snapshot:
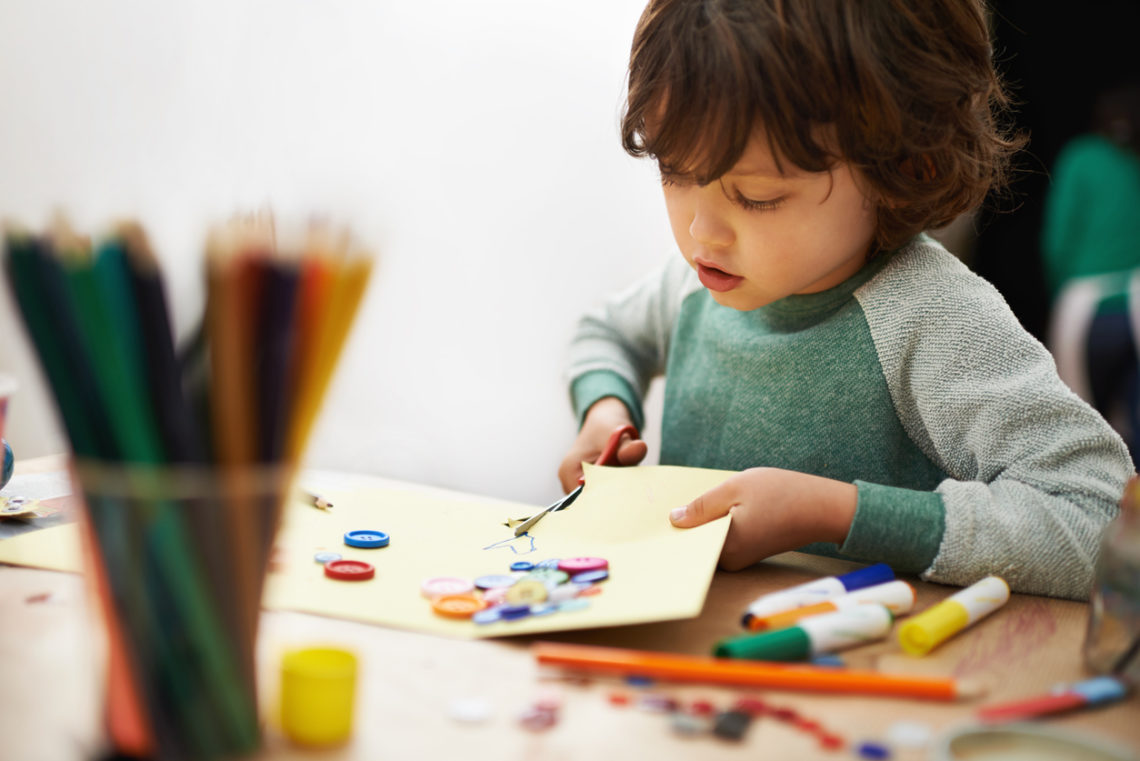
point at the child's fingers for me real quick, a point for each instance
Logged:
(711, 505)
(569, 473)
(632, 452)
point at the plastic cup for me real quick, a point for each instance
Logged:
(318, 687)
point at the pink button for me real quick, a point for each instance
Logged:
(580, 565)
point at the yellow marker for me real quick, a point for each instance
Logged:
(928, 629)
(317, 689)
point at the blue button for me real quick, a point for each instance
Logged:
(495, 580)
(486, 616)
(522, 565)
(590, 577)
(544, 609)
(511, 612)
(366, 539)
(548, 563)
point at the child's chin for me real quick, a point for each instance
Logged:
(741, 302)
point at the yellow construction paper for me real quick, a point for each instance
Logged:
(657, 572)
(58, 548)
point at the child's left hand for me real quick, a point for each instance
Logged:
(773, 511)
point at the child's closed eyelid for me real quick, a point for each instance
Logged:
(757, 204)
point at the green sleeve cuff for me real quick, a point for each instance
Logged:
(901, 527)
(598, 384)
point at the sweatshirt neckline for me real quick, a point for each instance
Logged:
(803, 307)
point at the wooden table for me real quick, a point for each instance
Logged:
(51, 656)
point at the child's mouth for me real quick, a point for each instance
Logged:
(716, 279)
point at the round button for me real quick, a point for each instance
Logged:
(590, 577)
(548, 563)
(511, 612)
(526, 592)
(549, 576)
(522, 565)
(493, 580)
(581, 565)
(543, 609)
(457, 606)
(439, 586)
(349, 570)
(486, 616)
(326, 557)
(366, 539)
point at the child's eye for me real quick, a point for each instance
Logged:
(752, 204)
(670, 178)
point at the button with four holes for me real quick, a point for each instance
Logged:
(366, 539)
(349, 570)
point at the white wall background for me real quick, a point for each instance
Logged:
(474, 145)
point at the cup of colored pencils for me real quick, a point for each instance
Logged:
(185, 455)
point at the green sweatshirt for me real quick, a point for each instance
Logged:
(1091, 222)
(912, 380)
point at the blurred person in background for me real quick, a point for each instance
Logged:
(1090, 241)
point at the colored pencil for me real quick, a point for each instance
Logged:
(690, 668)
(180, 576)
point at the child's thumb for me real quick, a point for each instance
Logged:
(707, 507)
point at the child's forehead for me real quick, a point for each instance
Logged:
(758, 160)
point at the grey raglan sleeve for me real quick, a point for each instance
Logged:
(1034, 472)
(622, 344)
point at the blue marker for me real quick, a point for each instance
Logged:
(817, 591)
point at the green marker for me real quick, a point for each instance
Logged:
(816, 635)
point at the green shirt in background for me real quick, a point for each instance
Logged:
(1092, 213)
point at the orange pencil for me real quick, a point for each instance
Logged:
(695, 668)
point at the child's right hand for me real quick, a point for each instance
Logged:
(602, 418)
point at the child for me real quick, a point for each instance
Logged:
(881, 401)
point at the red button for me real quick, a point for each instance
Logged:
(349, 570)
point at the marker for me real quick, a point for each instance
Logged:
(1101, 689)
(817, 591)
(774, 676)
(898, 596)
(827, 633)
(930, 628)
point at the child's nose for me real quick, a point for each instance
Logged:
(710, 226)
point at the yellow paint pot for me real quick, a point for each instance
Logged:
(318, 686)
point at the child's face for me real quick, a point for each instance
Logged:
(755, 236)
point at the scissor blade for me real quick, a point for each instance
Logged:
(558, 504)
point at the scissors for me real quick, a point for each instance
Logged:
(607, 457)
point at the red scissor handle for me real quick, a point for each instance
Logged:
(609, 453)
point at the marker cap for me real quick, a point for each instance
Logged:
(791, 644)
(928, 629)
(879, 573)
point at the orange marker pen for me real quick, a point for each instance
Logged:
(897, 596)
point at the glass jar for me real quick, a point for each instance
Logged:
(1112, 645)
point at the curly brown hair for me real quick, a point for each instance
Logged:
(905, 92)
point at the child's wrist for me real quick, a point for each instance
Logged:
(842, 503)
(609, 411)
